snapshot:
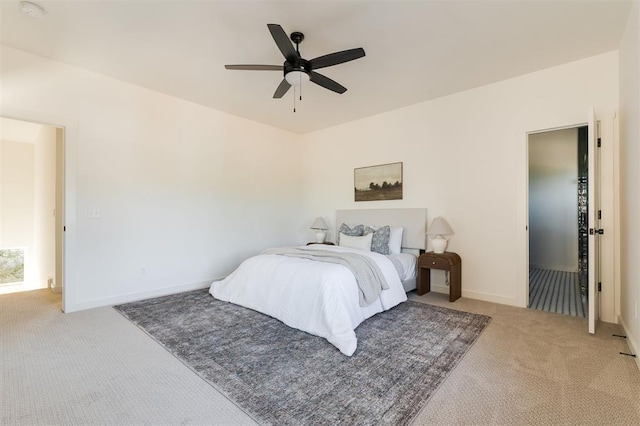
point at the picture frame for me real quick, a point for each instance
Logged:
(378, 183)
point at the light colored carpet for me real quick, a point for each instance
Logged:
(95, 367)
(537, 368)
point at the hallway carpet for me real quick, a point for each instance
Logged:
(556, 291)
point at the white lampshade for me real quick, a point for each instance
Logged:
(319, 223)
(320, 226)
(439, 226)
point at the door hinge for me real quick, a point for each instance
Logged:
(599, 286)
(64, 228)
(599, 142)
(599, 214)
(596, 231)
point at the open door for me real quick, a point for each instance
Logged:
(594, 224)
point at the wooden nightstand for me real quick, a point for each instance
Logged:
(326, 243)
(446, 261)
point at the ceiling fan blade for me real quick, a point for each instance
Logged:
(336, 58)
(327, 83)
(255, 67)
(282, 89)
(282, 41)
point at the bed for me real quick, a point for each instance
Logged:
(324, 298)
(413, 221)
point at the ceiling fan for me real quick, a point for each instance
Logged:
(297, 69)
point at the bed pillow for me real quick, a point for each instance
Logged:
(356, 231)
(395, 240)
(380, 239)
(360, 243)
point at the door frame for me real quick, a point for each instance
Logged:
(526, 195)
(609, 201)
(69, 136)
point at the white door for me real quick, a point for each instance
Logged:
(594, 224)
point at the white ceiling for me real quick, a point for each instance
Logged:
(415, 50)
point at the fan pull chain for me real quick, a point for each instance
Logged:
(300, 76)
(294, 98)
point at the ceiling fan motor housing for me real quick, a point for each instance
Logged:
(298, 64)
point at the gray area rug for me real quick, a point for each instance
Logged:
(279, 375)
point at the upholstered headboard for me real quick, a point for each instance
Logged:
(414, 222)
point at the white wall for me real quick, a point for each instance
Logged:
(465, 158)
(188, 192)
(630, 178)
(184, 191)
(17, 181)
(553, 200)
(44, 192)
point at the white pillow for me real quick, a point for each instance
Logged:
(360, 243)
(395, 240)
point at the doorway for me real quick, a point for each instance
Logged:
(31, 206)
(558, 221)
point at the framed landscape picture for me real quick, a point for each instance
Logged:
(381, 182)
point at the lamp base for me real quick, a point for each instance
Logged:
(438, 244)
(320, 235)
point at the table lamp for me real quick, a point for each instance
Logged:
(320, 226)
(438, 229)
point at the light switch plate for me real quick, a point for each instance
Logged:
(93, 213)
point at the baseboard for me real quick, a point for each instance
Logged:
(132, 297)
(633, 345)
(486, 297)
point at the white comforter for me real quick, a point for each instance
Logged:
(316, 297)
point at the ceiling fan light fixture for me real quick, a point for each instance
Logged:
(295, 78)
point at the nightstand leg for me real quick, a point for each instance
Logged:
(455, 287)
(424, 281)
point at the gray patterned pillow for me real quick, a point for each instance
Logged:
(356, 231)
(380, 241)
